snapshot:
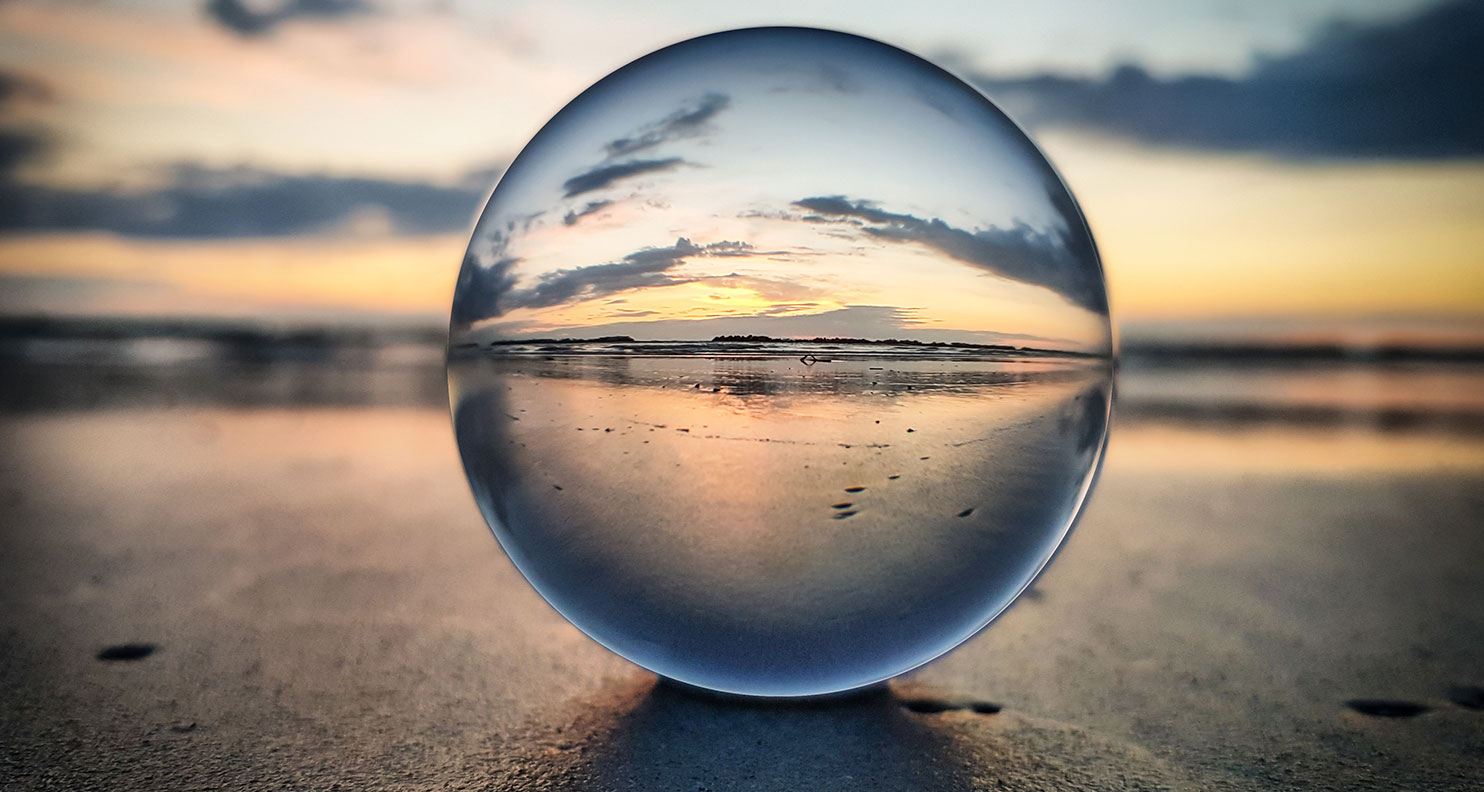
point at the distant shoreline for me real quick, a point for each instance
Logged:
(245, 336)
(733, 341)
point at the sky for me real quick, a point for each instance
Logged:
(1240, 164)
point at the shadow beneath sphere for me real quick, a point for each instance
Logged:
(659, 735)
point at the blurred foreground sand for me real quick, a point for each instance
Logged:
(329, 609)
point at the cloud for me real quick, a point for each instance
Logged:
(16, 87)
(17, 147)
(191, 201)
(196, 202)
(485, 292)
(1061, 260)
(479, 290)
(238, 17)
(683, 123)
(573, 216)
(20, 144)
(1406, 89)
(604, 175)
(641, 269)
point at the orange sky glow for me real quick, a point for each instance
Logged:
(1184, 234)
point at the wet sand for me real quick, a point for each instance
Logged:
(218, 594)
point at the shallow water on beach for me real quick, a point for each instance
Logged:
(779, 523)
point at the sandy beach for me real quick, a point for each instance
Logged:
(314, 602)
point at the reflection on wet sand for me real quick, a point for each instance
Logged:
(815, 527)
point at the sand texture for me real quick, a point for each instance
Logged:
(296, 591)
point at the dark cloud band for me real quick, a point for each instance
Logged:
(236, 16)
(640, 269)
(1408, 89)
(197, 202)
(683, 123)
(604, 175)
(1061, 260)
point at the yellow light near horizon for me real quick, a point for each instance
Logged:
(1193, 235)
(1183, 235)
(375, 275)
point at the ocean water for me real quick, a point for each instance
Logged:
(774, 519)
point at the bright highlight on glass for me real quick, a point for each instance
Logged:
(780, 361)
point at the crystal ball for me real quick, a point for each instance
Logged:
(780, 361)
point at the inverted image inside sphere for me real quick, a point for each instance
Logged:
(780, 361)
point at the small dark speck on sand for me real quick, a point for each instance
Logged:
(183, 729)
(842, 505)
(683, 430)
(930, 706)
(557, 487)
(924, 458)
(1467, 696)
(911, 430)
(894, 478)
(607, 430)
(848, 513)
(128, 651)
(855, 489)
(1384, 708)
(966, 512)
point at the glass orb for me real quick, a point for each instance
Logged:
(780, 361)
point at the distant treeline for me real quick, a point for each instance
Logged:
(227, 332)
(762, 339)
(1216, 352)
(598, 340)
